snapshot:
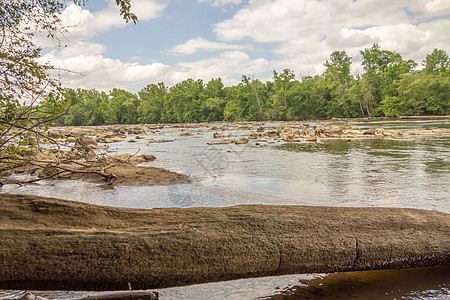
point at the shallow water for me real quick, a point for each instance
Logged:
(363, 172)
(334, 172)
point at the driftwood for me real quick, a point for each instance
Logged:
(131, 295)
(55, 244)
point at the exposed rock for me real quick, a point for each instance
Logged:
(135, 130)
(272, 134)
(46, 155)
(333, 132)
(292, 140)
(84, 246)
(132, 141)
(369, 132)
(187, 134)
(135, 159)
(218, 135)
(138, 137)
(260, 129)
(84, 146)
(318, 131)
(86, 142)
(113, 138)
(241, 141)
(165, 141)
(311, 139)
(119, 130)
(221, 142)
(151, 140)
(255, 136)
(55, 134)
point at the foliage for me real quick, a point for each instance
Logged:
(388, 87)
(437, 62)
(30, 98)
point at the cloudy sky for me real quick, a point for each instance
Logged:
(203, 39)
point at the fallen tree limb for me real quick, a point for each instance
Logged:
(55, 244)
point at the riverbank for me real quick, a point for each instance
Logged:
(56, 244)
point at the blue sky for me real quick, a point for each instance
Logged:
(203, 39)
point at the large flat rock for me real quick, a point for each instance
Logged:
(55, 244)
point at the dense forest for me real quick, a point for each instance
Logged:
(388, 86)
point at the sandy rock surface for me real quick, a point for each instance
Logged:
(56, 244)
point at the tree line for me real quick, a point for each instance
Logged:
(389, 86)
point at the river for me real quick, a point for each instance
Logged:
(412, 172)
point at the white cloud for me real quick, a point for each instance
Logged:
(221, 2)
(226, 66)
(88, 68)
(147, 9)
(199, 43)
(282, 20)
(81, 24)
(437, 7)
(306, 32)
(295, 34)
(86, 65)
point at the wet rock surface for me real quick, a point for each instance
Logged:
(55, 244)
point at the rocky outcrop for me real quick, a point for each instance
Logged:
(49, 243)
(242, 141)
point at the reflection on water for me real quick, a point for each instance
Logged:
(364, 172)
(381, 172)
(423, 284)
(426, 283)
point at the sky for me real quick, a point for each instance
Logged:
(203, 39)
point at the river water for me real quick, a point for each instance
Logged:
(368, 172)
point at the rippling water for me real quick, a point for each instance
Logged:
(334, 172)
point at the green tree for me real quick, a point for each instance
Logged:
(152, 109)
(232, 112)
(252, 87)
(423, 94)
(188, 101)
(84, 108)
(338, 80)
(215, 100)
(309, 98)
(382, 69)
(123, 107)
(436, 62)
